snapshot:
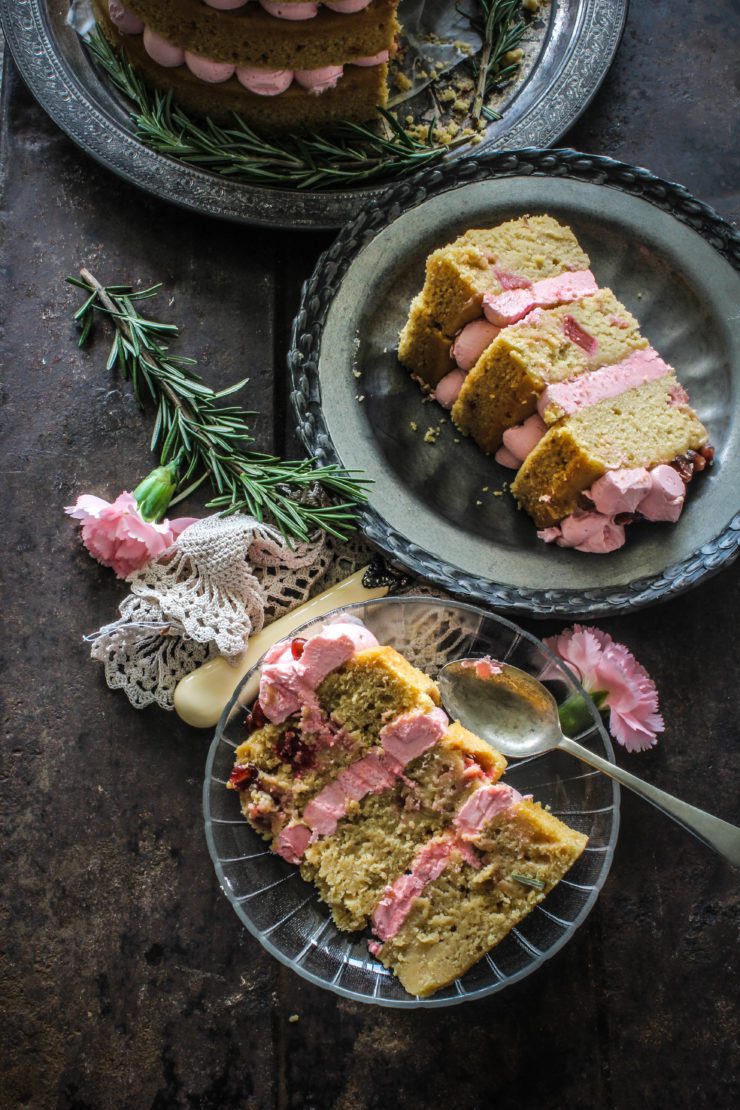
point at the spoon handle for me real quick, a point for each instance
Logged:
(717, 834)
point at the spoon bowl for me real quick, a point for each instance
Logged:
(516, 714)
(502, 704)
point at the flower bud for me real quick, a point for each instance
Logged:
(154, 494)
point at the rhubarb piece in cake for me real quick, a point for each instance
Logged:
(547, 346)
(638, 430)
(469, 886)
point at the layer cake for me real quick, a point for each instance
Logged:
(550, 372)
(280, 65)
(354, 772)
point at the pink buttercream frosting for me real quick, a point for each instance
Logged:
(485, 667)
(483, 805)
(664, 500)
(511, 306)
(621, 491)
(585, 531)
(447, 390)
(395, 905)
(565, 398)
(578, 335)
(264, 82)
(373, 59)
(403, 740)
(292, 842)
(520, 440)
(164, 53)
(206, 70)
(471, 342)
(317, 81)
(287, 684)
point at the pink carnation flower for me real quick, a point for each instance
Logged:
(631, 696)
(116, 535)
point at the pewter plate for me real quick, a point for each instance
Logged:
(575, 47)
(673, 262)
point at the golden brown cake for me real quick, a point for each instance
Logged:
(483, 260)
(281, 64)
(641, 429)
(353, 772)
(547, 346)
(512, 334)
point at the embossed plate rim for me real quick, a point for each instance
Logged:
(317, 296)
(85, 111)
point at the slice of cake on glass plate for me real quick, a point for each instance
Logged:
(354, 772)
(280, 64)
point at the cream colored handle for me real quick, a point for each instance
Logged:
(201, 696)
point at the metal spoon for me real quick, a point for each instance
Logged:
(516, 714)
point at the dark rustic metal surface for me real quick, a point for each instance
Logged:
(126, 979)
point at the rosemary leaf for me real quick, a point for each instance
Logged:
(527, 880)
(211, 441)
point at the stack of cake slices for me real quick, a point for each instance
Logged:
(353, 771)
(549, 372)
(281, 64)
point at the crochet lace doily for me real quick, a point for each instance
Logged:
(223, 579)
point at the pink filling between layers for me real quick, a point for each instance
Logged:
(288, 684)
(296, 11)
(599, 385)
(403, 740)
(520, 302)
(398, 899)
(508, 308)
(261, 82)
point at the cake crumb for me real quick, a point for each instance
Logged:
(293, 1019)
(359, 397)
(456, 440)
(357, 373)
(498, 493)
(413, 425)
(479, 502)
(431, 435)
(402, 82)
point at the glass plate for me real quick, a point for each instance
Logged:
(285, 913)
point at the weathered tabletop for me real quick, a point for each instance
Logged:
(127, 980)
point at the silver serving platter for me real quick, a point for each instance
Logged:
(576, 45)
(672, 260)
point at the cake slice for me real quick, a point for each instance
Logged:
(546, 346)
(627, 437)
(514, 255)
(376, 837)
(322, 707)
(470, 886)
(354, 772)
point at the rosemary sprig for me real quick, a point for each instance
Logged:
(211, 440)
(501, 26)
(350, 155)
(528, 880)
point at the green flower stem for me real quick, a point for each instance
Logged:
(575, 712)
